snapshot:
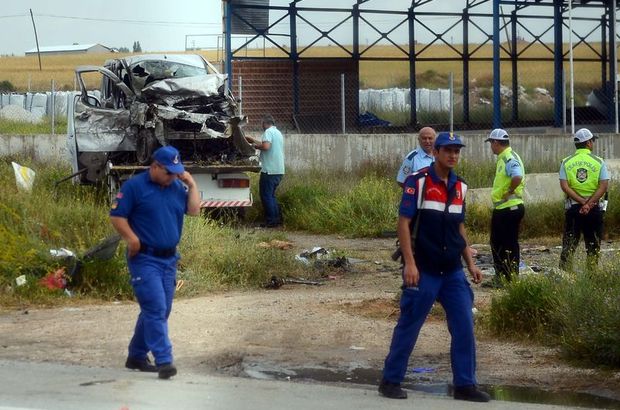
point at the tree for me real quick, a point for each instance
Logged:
(123, 50)
(136, 47)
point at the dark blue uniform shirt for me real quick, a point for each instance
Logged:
(439, 243)
(154, 213)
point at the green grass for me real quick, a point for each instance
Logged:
(524, 309)
(366, 204)
(76, 218)
(578, 312)
(361, 205)
(24, 128)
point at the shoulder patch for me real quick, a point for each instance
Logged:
(412, 155)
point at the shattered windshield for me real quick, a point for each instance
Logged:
(148, 71)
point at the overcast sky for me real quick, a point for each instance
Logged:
(158, 25)
(162, 25)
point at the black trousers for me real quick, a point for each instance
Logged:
(505, 240)
(591, 225)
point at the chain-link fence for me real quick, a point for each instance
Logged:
(324, 97)
(434, 65)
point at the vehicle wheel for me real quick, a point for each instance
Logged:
(145, 146)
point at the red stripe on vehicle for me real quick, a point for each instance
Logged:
(224, 204)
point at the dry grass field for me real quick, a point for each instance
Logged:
(24, 74)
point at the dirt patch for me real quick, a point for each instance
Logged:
(345, 324)
(373, 308)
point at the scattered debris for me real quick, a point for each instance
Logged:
(24, 177)
(54, 280)
(20, 280)
(316, 252)
(277, 282)
(103, 250)
(423, 370)
(536, 249)
(319, 258)
(62, 253)
(338, 263)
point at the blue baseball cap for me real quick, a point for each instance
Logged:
(170, 158)
(448, 138)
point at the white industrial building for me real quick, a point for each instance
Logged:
(72, 49)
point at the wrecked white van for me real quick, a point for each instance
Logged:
(147, 101)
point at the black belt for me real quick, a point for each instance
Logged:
(158, 252)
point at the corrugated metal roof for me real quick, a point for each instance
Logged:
(73, 47)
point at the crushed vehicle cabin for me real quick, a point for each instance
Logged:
(148, 101)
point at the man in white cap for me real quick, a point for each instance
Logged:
(508, 209)
(584, 179)
(420, 157)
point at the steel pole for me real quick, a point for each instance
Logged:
(572, 70)
(615, 63)
(451, 102)
(342, 104)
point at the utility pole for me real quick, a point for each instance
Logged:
(36, 39)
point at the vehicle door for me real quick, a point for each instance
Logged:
(101, 118)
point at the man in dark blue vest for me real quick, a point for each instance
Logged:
(432, 211)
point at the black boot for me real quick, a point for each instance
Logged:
(143, 365)
(166, 371)
(392, 390)
(471, 393)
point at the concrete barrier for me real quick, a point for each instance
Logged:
(351, 152)
(538, 188)
(43, 147)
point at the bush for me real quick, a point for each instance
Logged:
(6, 87)
(337, 204)
(525, 308)
(76, 217)
(588, 312)
(578, 312)
(219, 257)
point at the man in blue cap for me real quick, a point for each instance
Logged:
(432, 237)
(148, 214)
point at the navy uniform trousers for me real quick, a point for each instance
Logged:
(455, 295)
(154, 282)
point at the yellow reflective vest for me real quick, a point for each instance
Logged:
(583, 170)
(501, 183)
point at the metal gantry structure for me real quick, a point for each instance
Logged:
(536, 18)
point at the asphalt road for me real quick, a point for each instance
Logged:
(25, 385)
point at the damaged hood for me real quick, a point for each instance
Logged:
(172, 91)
